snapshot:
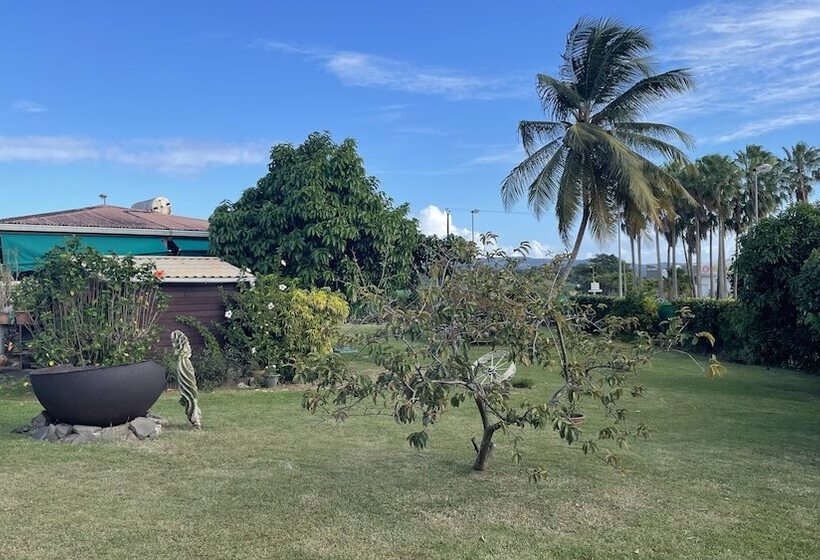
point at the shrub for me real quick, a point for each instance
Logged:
(274, 324)
(643, 306)
(88, 308)
(210, 364)
(715, 316)
(770, 326)
(806, 289)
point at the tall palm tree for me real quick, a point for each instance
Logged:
(801, 168)
(771, 194)
(594, 153)
(721, 181)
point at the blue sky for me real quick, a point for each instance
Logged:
(184, 99)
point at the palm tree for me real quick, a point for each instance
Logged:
(592, 157)
(721, 181)
(771, 193)
(801, 168)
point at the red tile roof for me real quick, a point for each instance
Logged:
(106, 216)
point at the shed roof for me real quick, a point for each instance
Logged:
(110, 217)
(196, 270)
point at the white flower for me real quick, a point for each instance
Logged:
(283, 263)
(270, 305)
(228, 314)
(253, 350)
(282, 287)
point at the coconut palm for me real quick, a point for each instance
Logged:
(721, 182)
(593, 154)
(801, 168)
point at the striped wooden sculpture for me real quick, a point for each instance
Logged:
(186, 378)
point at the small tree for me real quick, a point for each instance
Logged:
(319, 211)
(428, 353)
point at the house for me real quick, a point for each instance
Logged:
(195, 286)
(109, 229)
(149, 232)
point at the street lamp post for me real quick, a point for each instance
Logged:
(473, 212)
(762, 168)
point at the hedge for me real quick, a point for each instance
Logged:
(714, 316)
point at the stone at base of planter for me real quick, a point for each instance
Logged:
(41, 429)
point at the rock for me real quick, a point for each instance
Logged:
(22, 429)
(62, 430)
(84, 437)
(241, 385)
(81, 429)
(114, 433)
(161, 420)
(41, 420)
(144, 427)
(69, 438)
(41, 433)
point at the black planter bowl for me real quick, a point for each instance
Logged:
(96, 395)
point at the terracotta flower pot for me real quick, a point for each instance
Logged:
(576, 418)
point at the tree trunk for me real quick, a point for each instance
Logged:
(485, 448)
(640, 261)
(711, 264)
(734, 275)
(721, 288)
(658, 256)
(697, 250)
(674, 264)
(579, 238)
(634, 275)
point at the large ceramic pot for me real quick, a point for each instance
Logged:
(98, 396)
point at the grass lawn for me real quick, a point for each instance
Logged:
(732, 472)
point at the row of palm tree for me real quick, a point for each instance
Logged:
(595, 160)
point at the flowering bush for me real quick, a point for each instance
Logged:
(89, 308)
(274, 325)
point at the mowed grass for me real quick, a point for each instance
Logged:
(732, 472)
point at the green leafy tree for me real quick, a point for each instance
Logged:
(801, 168)
(428, 355)
(317, 216)
(606, 273)
(772, 287)
(593, 157)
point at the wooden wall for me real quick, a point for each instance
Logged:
(203, 301)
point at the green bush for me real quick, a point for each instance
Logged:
(643, 306)
(806, 289)
(775, 295)
(212, 368)
(274, 325)
(88, 308)
(715, 316)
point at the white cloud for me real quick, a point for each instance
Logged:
(169, 155)
(433, 221)
(503, 154)
(27, 106)
(368, 70)
(754, 63)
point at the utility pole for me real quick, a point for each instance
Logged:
(447, 212)
(103, 197)
(473, 212)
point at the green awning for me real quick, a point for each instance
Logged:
(192, 247)
(21, 251)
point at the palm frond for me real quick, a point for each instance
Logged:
(643, 95)
(534, 133)
(522, 175)
(557, 98)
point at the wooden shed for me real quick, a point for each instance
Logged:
(194, 286)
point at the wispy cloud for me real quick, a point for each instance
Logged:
(756, 64)
(26, 106)
(369, 70)
(167, 155)
(501, 155)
